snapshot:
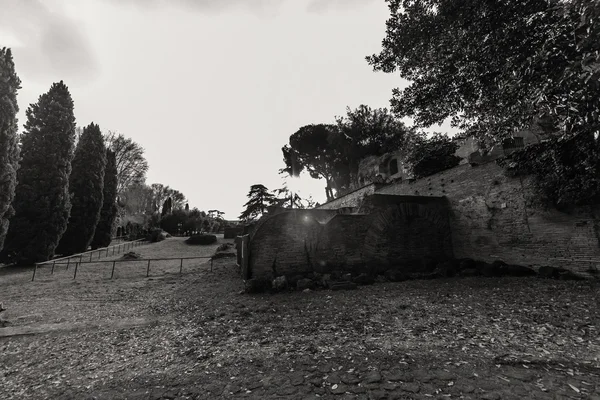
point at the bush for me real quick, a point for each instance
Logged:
(157, 235)
(201, 239)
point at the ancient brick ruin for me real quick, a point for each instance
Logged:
(473, 211)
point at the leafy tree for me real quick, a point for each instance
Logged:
(136, 205)
(86, 184)
(108, 213)
(260, 199)
(428, 156)
(9, 149)
(495, 66)
(131, 163)
(310, 149)
(167, 207)
(369, 132)
(566, 170)
(333, 152)
(42, 203)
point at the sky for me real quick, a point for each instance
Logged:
(212, 89)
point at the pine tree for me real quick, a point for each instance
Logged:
(9, 149)
(42, 203)
(260, 199)
(108, 214)
(86, 185)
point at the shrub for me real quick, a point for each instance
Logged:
(157, 235)
(201, 239)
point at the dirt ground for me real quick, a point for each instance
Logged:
(195, 336)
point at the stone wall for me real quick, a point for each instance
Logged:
(295, 243)
(352, 199)
(494, 217)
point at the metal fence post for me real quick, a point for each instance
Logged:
(113, 270)
(34, 271)
(106, 252)
(53, 264)
(148, 270)
(75, 274)
(91, 253)
(211, 264)
(181, 267)
(68, 262)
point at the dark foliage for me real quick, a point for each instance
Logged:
(42, 202)
(86, 185)
(260, 199)
(494, 66)
(108, 214)
(131, 163)
(202, 239)
(9, 149)
(566, 171)
(429, 156)
(156, 235)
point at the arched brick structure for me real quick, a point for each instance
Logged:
(283, 244)
(340, 244)
(401, 234)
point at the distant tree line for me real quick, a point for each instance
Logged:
(64, 188)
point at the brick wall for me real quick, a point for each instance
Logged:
(282, 244)
(351, 199)
(295, 243)
(493, 217)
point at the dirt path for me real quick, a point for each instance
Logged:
(460, 338)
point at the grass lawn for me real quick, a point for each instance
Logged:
(195, 336)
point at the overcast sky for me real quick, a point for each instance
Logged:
(212, 89)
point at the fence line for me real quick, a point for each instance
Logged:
(114, 262)
(117, 247)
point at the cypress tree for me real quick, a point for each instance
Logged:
(86, 185)
(9, 149)
(42, 203)
(108, 214)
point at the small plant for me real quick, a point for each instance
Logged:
(201, 239)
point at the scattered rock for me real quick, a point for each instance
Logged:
(339, 388)
(469, 272)
(466, 263)
(445, 269)
(519, 270)
(364, 279)
(305, 283)
(280, 283)
(343, 286)
(395, 276)
(411, 387)
(373, 377)
(255, 286)
(347, 277)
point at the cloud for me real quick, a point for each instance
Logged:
(208, 6)
(321, 6)
(49, 44)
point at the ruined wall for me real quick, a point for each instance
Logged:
(493, 217)
(282, 244)
(295, 243)
(341, 243)
(351, 199)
